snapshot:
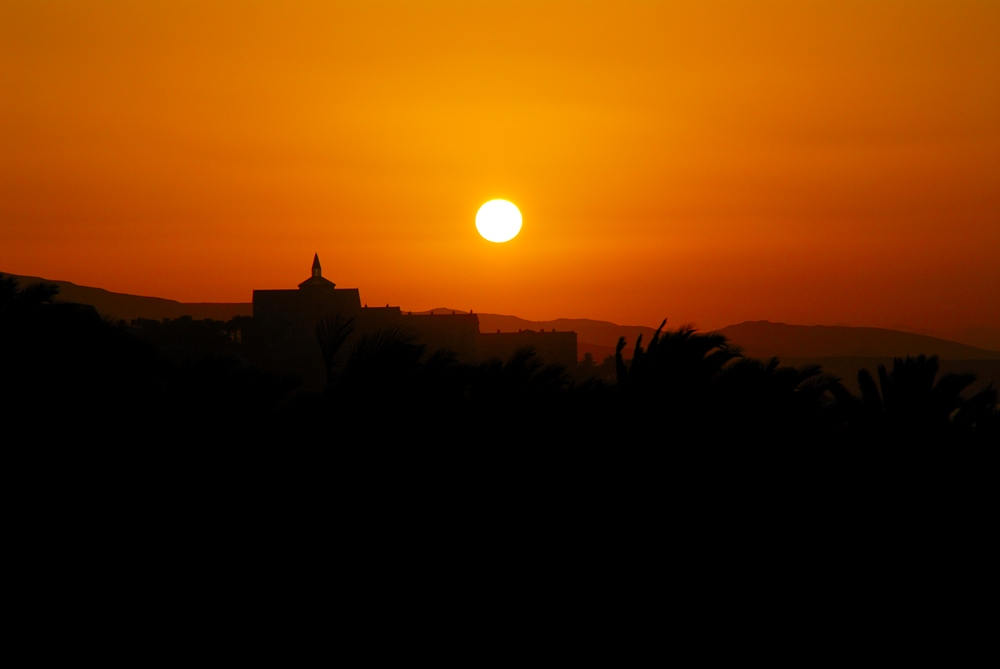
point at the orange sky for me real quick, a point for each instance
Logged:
(711, 162)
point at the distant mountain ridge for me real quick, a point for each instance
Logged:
(129, 307)
(761, 339)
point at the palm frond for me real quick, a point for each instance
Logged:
(332, 332)
(870, 395)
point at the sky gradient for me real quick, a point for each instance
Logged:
(812, 163)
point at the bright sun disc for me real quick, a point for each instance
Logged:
(498, 221)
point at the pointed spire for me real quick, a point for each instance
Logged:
(316, 280)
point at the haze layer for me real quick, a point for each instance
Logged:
(711, 162)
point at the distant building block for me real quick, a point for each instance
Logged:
(552, 348)
(456, 332)
(285, 325)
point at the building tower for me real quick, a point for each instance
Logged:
(316, 280)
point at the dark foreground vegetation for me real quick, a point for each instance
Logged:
(686, 464)
(183, 382)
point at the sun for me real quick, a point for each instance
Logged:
(498, 221)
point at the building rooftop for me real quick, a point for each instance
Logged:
(317, 280)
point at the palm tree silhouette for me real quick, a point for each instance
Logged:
(17, 301)
(763, 393)
(676, 364)
(703, 382)
(521, 377)
(384, 363)
(332, 332)
(908, 398)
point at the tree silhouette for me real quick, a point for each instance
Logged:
(332, 332)
(181, 376)
(586, 368)
(703, 384)
(521, 376)
(763, 395)
(17, 301)
(911, 399)
(677, 365)
(384, 365)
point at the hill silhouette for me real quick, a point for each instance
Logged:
(129, 307)
(761, 339)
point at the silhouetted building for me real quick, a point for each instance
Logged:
(285, 321)
(458, 332)
(555, 348)
(316, 298)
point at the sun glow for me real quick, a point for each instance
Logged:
(498, 221)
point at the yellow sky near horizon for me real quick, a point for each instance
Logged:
(713, 162)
